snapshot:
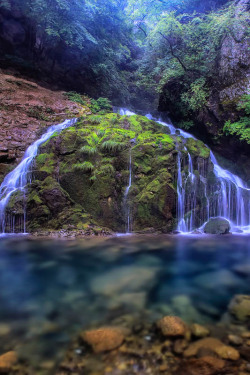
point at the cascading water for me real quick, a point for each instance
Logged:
(126, 204)
(17, 180)
(226, 195)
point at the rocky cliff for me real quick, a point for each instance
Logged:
(26, 110)
(230, 81)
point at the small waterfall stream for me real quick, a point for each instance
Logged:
(17, 180)
(199, 199)
(128, 228)
(226, 195)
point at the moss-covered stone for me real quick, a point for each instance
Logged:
(81, 176)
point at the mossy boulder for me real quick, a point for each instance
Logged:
(80, 176)
(217, 225)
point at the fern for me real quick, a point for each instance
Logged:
(107, 169)
(84, 167)
(113, 146)
(89, 150)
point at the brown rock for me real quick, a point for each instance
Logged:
(201, 366)
(235, 340)
(215, 345)
(246, 335)
(103, 339)
(199, 331)
(180, 346)
(7, 360)
(172, 326)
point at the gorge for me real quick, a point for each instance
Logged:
(124, 187)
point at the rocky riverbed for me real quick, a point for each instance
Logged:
(135, 345)
(146, 304)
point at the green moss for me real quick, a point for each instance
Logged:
(197, 148)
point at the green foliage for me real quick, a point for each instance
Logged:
(84, 167)
(244, 104)
(196, 97)
(240, 128)
(113, 146)
(101, 106)
(75, 97)
(89, 150)
(186, 125)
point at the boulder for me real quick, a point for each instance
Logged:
(214, 345)
(126, 279)
(172, 326)
(103, 339)
(217, 225)
(239, 308)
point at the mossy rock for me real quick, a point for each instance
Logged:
(81, 175)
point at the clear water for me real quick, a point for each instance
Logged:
(50, 290)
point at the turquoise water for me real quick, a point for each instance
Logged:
(50, 290)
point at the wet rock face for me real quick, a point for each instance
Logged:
(81, 177)
(27, 109)
(231, 82)
(217, 226)
(87, 168)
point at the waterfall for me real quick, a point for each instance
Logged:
(226, 195)
(126, 204)
(17, 180)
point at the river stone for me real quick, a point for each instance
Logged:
(217, 279)
(124, 280)
(217, 225)
(239, 307)
(214, 345)
(172, 326)
(7, 360)
(199, 331)
(235, 340)
(103, 339)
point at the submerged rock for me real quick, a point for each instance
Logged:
(172, 326)
(103, 339)
(214, 345)
(7, 360)
(124, 280)
(217, 225)
(239, 308)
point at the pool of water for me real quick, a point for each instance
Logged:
(50, 290)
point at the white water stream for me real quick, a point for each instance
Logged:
(227, 197)
(17, 180)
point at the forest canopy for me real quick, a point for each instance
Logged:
(129, 50)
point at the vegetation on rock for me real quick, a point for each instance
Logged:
(81, 175)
